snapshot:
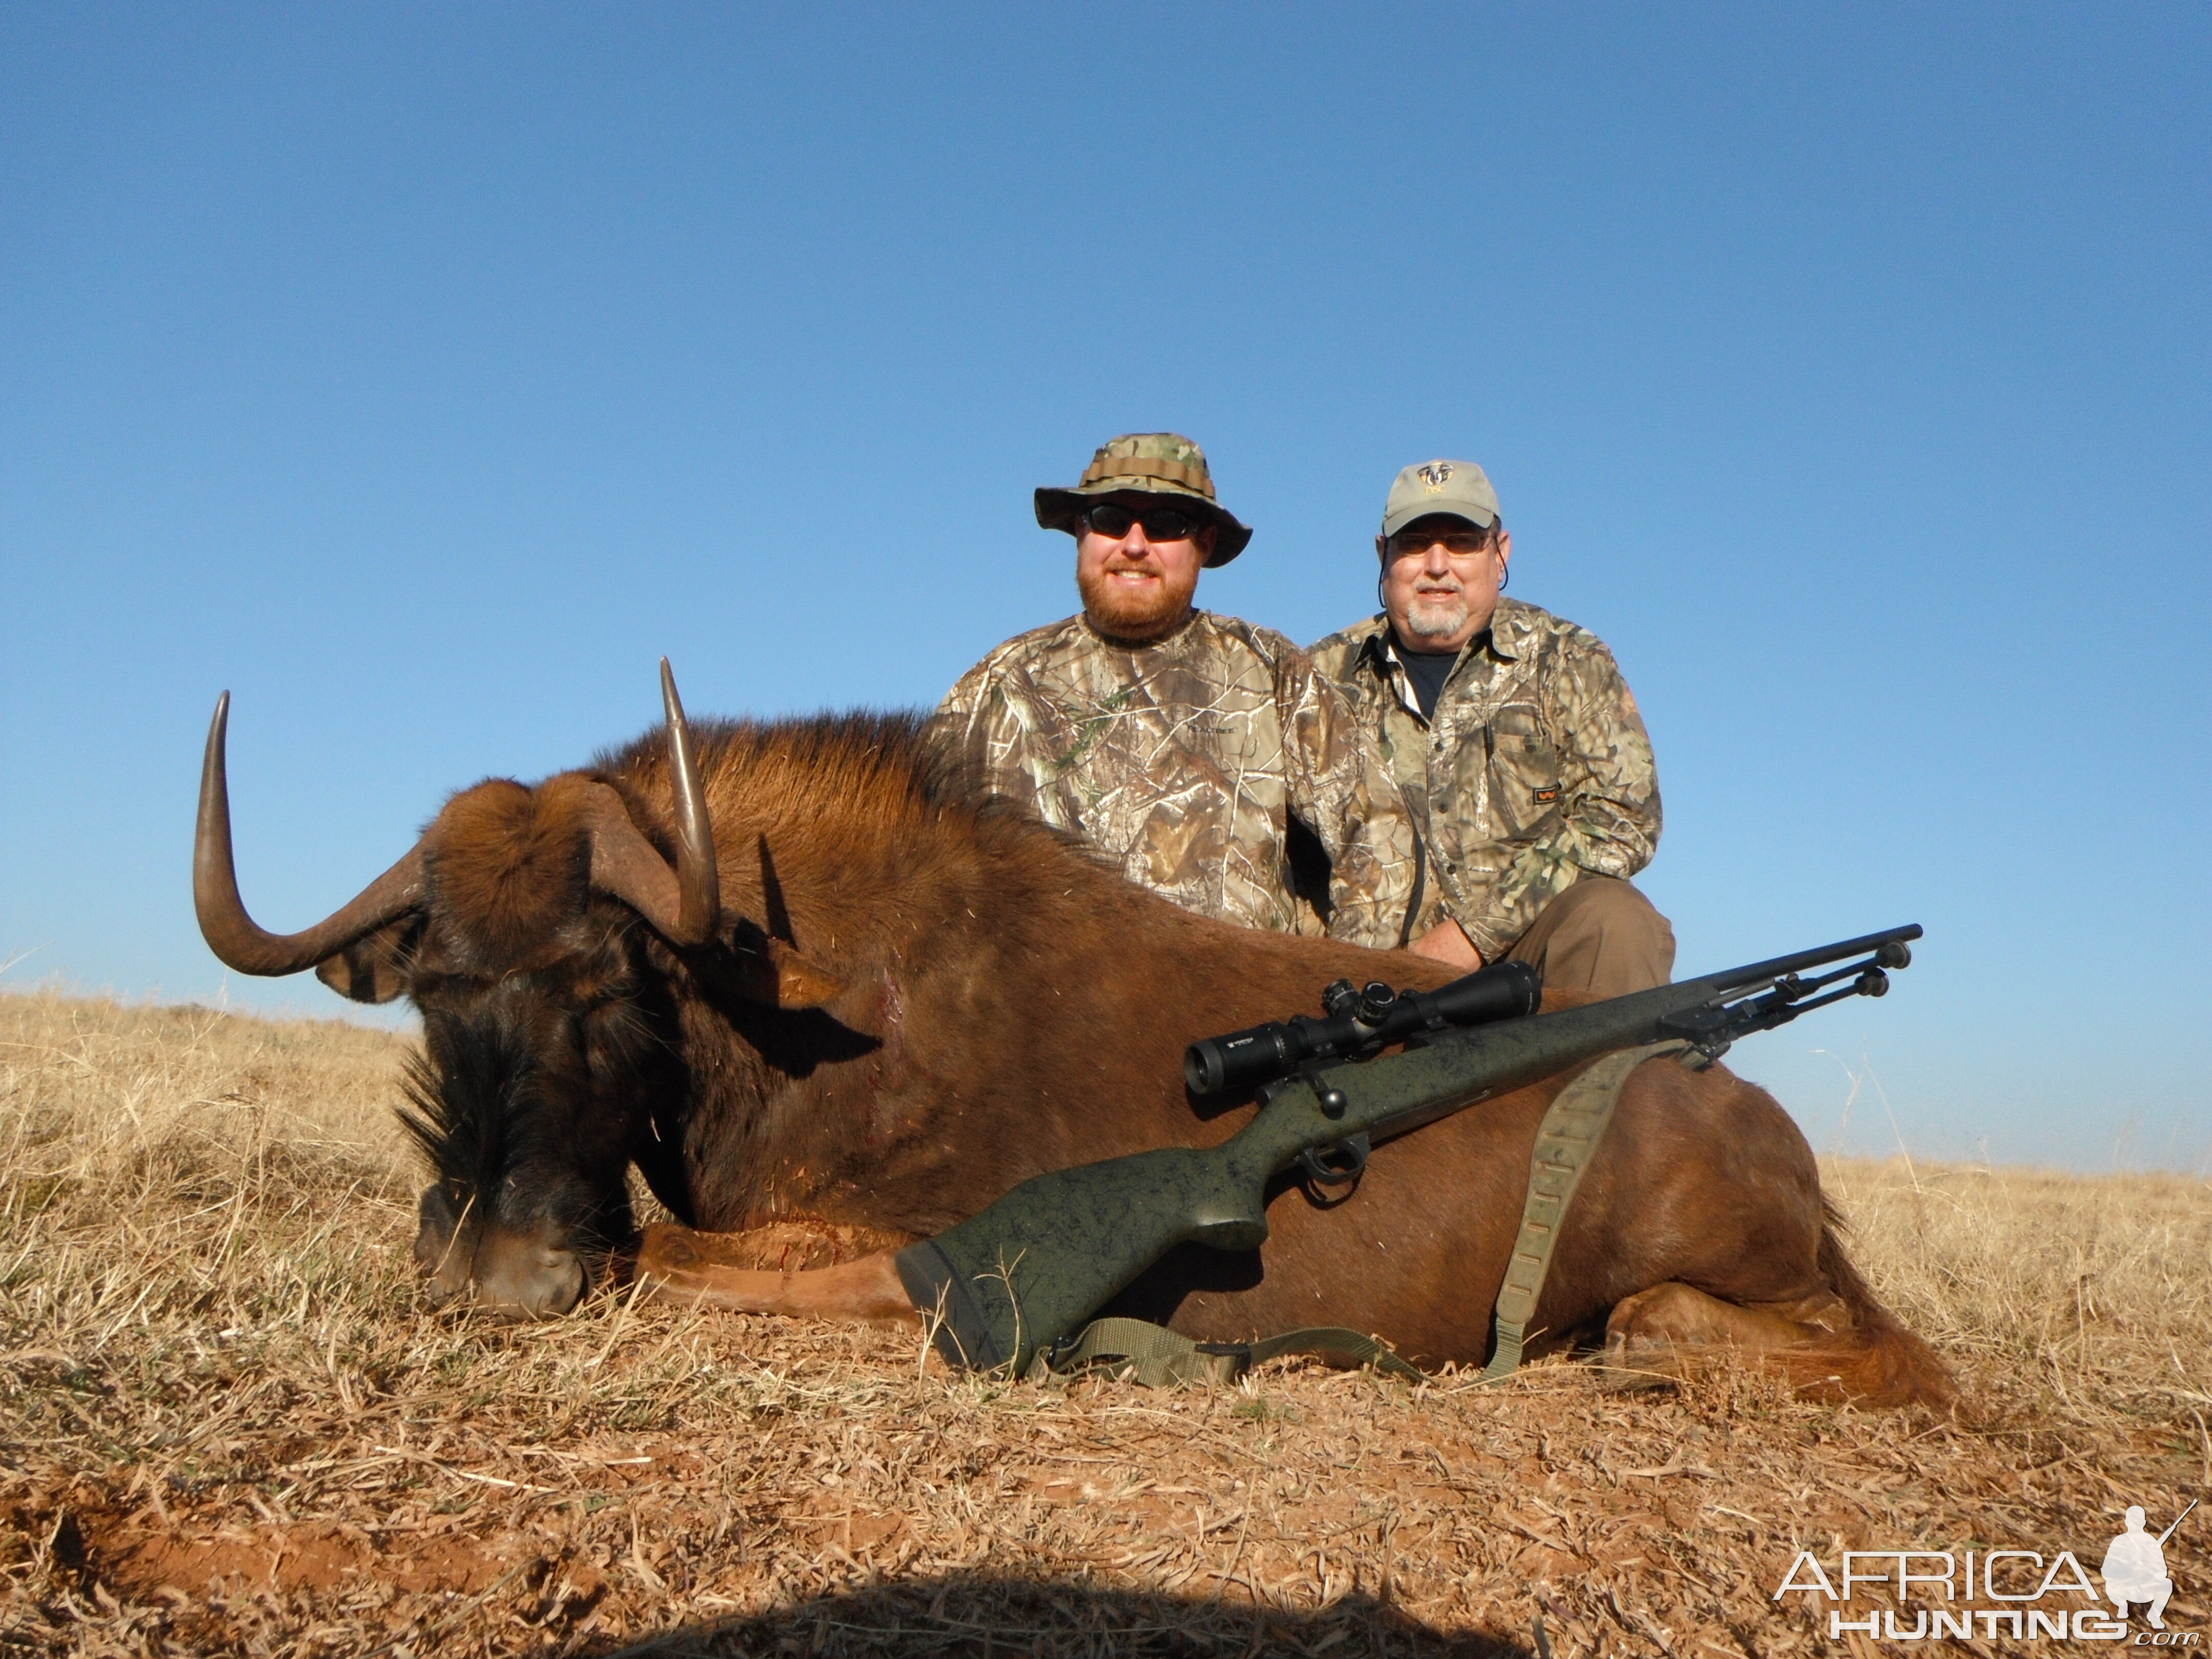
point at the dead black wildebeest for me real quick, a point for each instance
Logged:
(809, 969)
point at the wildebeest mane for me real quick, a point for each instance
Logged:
(880, 756)
(887, 771)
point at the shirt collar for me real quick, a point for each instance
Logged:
(1508, 627)
(1502, 639)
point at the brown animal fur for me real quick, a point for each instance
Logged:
(994, 1003)
(508, 865)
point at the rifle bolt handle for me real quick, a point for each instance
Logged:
(1332, 1102)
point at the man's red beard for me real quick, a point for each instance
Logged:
(1143, 614)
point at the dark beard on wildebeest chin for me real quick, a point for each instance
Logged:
(502, 1140)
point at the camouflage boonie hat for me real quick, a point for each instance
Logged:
(1151, 464)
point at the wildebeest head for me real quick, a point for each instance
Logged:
(534, 929)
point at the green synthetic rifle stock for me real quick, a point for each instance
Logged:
(1029, 1270)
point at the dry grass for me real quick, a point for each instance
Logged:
(230, 1427)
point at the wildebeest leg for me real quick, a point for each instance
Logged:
(1817, 1343)
(701, 1268)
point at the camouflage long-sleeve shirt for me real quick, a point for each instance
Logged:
(1536, 768)
(1187, 759)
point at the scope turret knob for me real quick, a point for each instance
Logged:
(1340, 998)
(1375, 1001)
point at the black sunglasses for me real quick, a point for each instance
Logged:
(1162, 524)
(1459, 543)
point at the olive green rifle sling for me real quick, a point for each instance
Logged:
(1564, 1145)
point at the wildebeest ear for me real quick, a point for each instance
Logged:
(800, 982)
(776, 973)
(368, 970)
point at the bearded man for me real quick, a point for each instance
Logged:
(1518, 745)
(1189, 747)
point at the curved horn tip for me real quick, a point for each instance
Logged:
(236, 939)
(215, 790)
(700, 912)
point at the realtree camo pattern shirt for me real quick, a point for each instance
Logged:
(1186, 759)
(1536, 768)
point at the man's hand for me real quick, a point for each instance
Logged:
(1447, 942)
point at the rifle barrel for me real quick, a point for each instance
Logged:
(2178, 1520)
(1735, 979)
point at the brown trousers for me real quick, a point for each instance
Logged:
(1601, 936)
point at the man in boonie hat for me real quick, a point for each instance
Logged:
(1195, 749)
(1517, 744)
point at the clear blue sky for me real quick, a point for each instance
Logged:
(423, 373)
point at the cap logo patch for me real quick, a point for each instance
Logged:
(1434, 475)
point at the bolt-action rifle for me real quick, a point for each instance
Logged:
(1027, 1271)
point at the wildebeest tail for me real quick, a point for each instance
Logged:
(1877, 1362)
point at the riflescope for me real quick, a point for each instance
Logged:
(1357, 1021)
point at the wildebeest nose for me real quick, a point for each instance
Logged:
(524, 1278)
(494, 1269)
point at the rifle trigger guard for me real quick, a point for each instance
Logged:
(1336, 1166)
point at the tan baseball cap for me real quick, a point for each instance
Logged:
(1148, 464)
(1460, 487)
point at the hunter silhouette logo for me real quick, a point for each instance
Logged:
(2135, 1567)
(1921, 1595)
(1435, 475)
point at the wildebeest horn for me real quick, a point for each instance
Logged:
(685, 907)
(698, 877)
(230, 933)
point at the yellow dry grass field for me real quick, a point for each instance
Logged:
(230, 1425)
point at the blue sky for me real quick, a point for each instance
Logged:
(422, 374)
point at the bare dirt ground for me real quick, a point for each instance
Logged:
(228, 1426)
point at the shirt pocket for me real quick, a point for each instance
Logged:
(1524, 773)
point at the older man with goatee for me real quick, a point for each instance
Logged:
(1195, 749)
(1518, 745)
